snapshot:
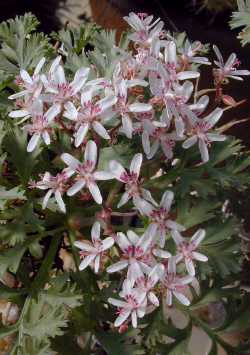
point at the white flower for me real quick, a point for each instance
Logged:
(160, 216)
(32, 85)
(86, 175)
(124, 108)
(133, 306)
(131, 180)
(58, 88)
(90, 115)
(40, 126)
(136, 253)
(146, 283)
(175, 285)
(186, 249)
(228, 69)
(93, 252)
(56, 185)
(199, 132)
(189, 52)
(145, 29)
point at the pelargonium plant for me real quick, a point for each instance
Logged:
(118, 191)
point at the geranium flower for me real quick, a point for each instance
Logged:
(200, 133)
(136, 252)
(124, 108)
(32, 85)
(228, 69)
(160, 216)
(86, 175)
(58, 88)
(93, 252)
(89, 116)
(56, 185)
(186, 249)
(146, 283)
(145, 29)
(131, 180)
(40, 126)
(133, 306)
(175, 285)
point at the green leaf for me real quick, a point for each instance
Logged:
(10, 259)
(16, 145)
(9, 195)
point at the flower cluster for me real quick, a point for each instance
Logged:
(151, 93)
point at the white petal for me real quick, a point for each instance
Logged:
(25, 76)
(167, 200)
(134, 319)
(120, 265)
(139, 107)
(95, 192)
(117, 303)
(86, 261)
(60, 202)
(107, 102)
(199, 256)
(107, 243)
(133, 237)
(18, 94)
(99, 129)
(124, 199)
(18, 113)
(175, 226)
(53, 112)
(169, 298)
(103, 175)
(116, 169)
(76, 187)
(122, 241)
(122, 318)
(145, 207)
(60, 75)
(215, 137)
(33, 142)
(146, 142)
(135, 165)
(95, 231)
(127, 126)
(188, 75)
(55, 64)
(189, 142)
(198, 237)
(214, 117)
(203, 151)
(71, 111)
(46, 137)
(81, 134)
(162, 253)
(183, 299)
(46, 198)
(39, 66)
(85, 246)
(178, 239)
(97, 263)
(153, 299)
(72, 162)
(90, 153)
(190, 267)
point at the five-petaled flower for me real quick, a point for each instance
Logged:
(134, 304)
(200, 131)
(86, 174)
(93, 252)
(136, 252)
(133, 188)
(160, 216)
(174, 284)
(186, 249)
